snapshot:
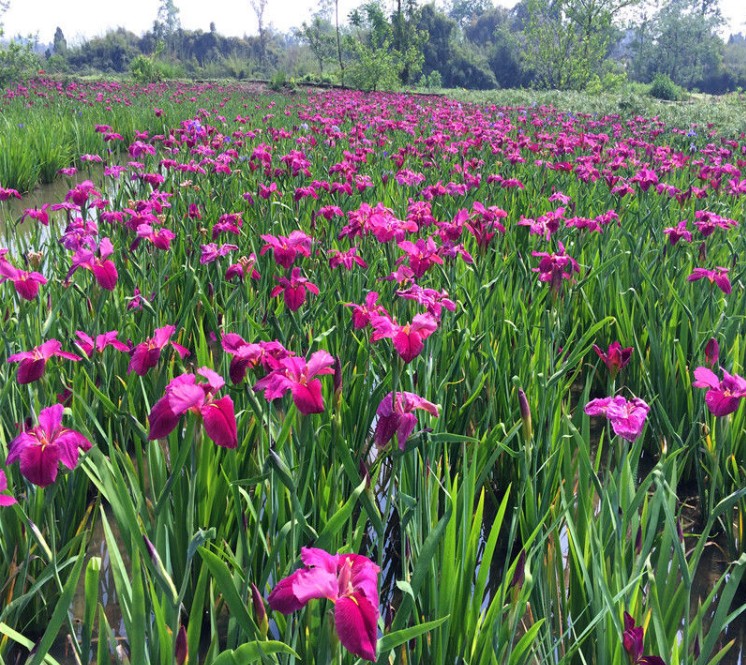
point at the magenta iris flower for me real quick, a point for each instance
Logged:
(25, 283)
(147, 354)
(286, 249)
(5, 498)
(40, 449)
(723, 396)
(633, 638)
(362, 314)
(212, 251)
(627, 418)
(294, 289)
(420, 255)
(718, 277)
(350, 581)
(712, 352)
(81, 193)
(298, 376)
(408, 339)
(678, 232)
(553, 268)
(184, 394)
(346, 259)
(32, 363)
(395, 417)
(98, 262)
(88, 345)
(244, 268)
(615, 358)
(251, 354)
(434, 301)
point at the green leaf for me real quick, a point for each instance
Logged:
(59, 616)
(393, 640)
(252, 652)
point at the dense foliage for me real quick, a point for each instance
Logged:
(559, 44)
(343, 375)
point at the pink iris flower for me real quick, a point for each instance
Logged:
(251, 354)
(88, 345)
(346, 259)
(395, 417)
(362, 314)
(5, 499)
(39, 214)
(32, 363)
(160, 237)
(244, 268)
(81, 193)
(712, 352)
(212, 252)
(678, 232)
(294, 289)
(420, 255)
(718, 277)
(615, 358)
(298, 376)
(40, 449)
(723, 396)
(184, 394)
(627, 417)
(633, 638)
(350, 581)
(408, 339)
(553, 268)
(25, 283)
(147, 354)
(285, 249)
(101, 266)
(434, 301)
(6, 193)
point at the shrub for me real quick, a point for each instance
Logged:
(664, 88)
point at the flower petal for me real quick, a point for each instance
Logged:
(356, 621)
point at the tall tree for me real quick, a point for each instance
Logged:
(685, 44)
(167, 20)
(260, 7)
(60, 43)
(568, 40)
(319, 35)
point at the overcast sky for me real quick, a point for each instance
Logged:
(87, 18)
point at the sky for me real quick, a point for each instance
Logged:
(82, 19)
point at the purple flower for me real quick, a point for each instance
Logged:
(633, 638)
(88, 345)
(5, 499)
(718, 277)
(615, 358)
(184, 394)
(627, 418)
(147, 354)
(101, 266)
(298, 376)
(395, 417)
(723, 396)
(40, 449)
(350, 581)
(32, 363)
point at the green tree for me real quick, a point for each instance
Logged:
(260, 8)
(376, 64)
(567, 41)
(684, 43)
(319, 35)
(60, 43)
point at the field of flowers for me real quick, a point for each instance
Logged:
(336, 377)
